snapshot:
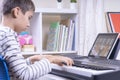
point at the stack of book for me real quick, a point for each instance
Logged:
(61, 35)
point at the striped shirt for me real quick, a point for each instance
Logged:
(19, 67)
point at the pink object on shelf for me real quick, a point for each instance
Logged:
(25, 39)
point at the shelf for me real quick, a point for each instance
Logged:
(56, 11)
(47, 52)
(53, 52)
(41, 21)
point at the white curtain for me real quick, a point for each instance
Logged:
(92, 22)
(1, 3)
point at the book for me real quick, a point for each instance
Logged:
(28, 48)
(69, 33)
(108, 23)
(65, 39)
(114, 21)
(52, 36)
(58, 39)
(62, 37)
(70, 36)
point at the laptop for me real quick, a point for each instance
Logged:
(117, 51)
(103, 45)
(101, 48)
(99, 53)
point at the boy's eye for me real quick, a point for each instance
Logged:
(30, 17)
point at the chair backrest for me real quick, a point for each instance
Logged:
(4, 75)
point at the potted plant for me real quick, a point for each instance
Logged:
(73, 1)
(73, 4)
(59, 0)
(59, 4)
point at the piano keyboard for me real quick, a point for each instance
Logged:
(52, 77)
(79, 70)
(95, 66)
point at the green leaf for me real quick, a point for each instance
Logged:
(73, 1)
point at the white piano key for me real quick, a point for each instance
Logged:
(52, 77)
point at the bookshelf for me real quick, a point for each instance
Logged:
(40, 24)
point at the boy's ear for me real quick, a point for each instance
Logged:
(15, 12)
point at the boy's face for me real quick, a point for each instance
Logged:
(23, 21)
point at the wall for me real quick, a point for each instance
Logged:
(51, 3)
(112, 5)
(0, 9)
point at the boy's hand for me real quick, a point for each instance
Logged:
(60, 60)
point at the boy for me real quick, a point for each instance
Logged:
(16, 15)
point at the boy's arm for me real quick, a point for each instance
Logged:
(17, 64)
(56, 59)
(22, 71)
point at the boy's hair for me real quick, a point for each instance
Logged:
(25, 5)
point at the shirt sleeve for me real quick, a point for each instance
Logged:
(28, 61)
(18, 65)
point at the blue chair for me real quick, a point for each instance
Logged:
(4, 75)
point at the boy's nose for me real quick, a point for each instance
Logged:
(28, 25)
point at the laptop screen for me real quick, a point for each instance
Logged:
(103, 45)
